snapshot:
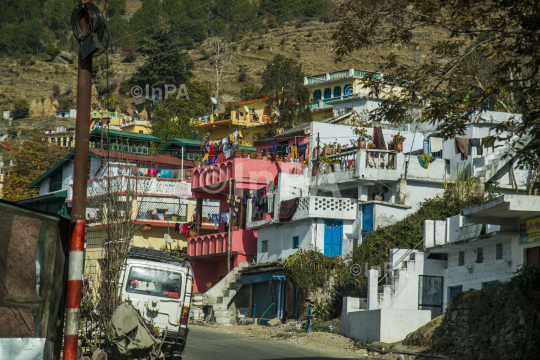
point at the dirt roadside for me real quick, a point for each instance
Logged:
(293, 333)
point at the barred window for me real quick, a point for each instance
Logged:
(264, 246)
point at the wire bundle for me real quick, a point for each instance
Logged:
(98, 26)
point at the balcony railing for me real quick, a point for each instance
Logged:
(123, 184)
(380, 159)
(342, 74)
(326, 207)
(162, 211)
(136, 122)
(360, 164)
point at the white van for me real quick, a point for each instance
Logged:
(159, 284)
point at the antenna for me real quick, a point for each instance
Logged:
(214, 101)
(168, 239)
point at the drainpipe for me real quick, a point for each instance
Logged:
(78, 214)
(230, 233)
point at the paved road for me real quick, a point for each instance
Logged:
(213, 345)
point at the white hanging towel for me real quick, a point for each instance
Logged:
(435, 144)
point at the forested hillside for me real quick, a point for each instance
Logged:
(41, 28)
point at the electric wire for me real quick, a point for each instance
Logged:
(98, 25)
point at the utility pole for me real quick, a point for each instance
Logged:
(78, 214)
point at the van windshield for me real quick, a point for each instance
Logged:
(156, 282)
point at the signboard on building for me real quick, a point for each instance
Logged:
(529, 230)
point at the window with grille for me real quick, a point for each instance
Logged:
(498, 251)
(461, 259)
(264, 246)
(479, 255)
(295, 242)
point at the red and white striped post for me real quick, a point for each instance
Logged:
(78, 213)
(73, 305)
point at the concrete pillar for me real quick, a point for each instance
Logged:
(373, 285)
(134, 212)
(363, 193)
(429, 234)
(440, 232)
(198, 216)
(350, 304)
(401, 191)
(189, 212)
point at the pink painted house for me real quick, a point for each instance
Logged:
(209, 252)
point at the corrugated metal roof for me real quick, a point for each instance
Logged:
(162, 160)
(125, 134)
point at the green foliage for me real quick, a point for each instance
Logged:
(21, 106)
(111, 103)
(51, 50)
(309, 269)
(172, 118)
(473, 57)
(407, 233)
(165, 63)
(283, 82)
(250, 93)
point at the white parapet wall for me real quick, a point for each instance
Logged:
(386, 325)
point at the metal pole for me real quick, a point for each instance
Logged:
(182, 177)
(230, 226)
(78, 214)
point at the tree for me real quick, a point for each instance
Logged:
(490, 50)
(283, 83)
(32, 158)
(166, 63)
(172, 118)
(21, 107)
(220, 58)
(250, 93)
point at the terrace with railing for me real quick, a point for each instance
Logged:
(136, 122)
(342, 74)
(359, 164)
(238, 118)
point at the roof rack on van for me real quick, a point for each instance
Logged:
(157, 255)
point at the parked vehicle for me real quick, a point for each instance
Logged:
(159, 284)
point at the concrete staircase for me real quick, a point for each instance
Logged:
(496, 160)
(220, 296)
(400, 290)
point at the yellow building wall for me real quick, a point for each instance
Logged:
(138, 128)
(322, 114)
(154, 237)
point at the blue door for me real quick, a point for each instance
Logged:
(333, 237)
(367, 220)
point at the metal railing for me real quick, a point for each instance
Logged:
(380, 159)
(162, 211)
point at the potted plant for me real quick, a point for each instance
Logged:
(362, 136)
(237, 154)
(269, 155)
(326, 150)
(397, 141)
(315, 169)
(245, 154)
(259, 156)
(339, 148)
(192, 229)
(195, 163)
(315, 151)
(337, 165)
(373, 147)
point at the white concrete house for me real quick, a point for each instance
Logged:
(482, 246)
(486, 244)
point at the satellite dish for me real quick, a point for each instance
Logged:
(136, 112)
(168, 239)
(246, 108)
(214, 101)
